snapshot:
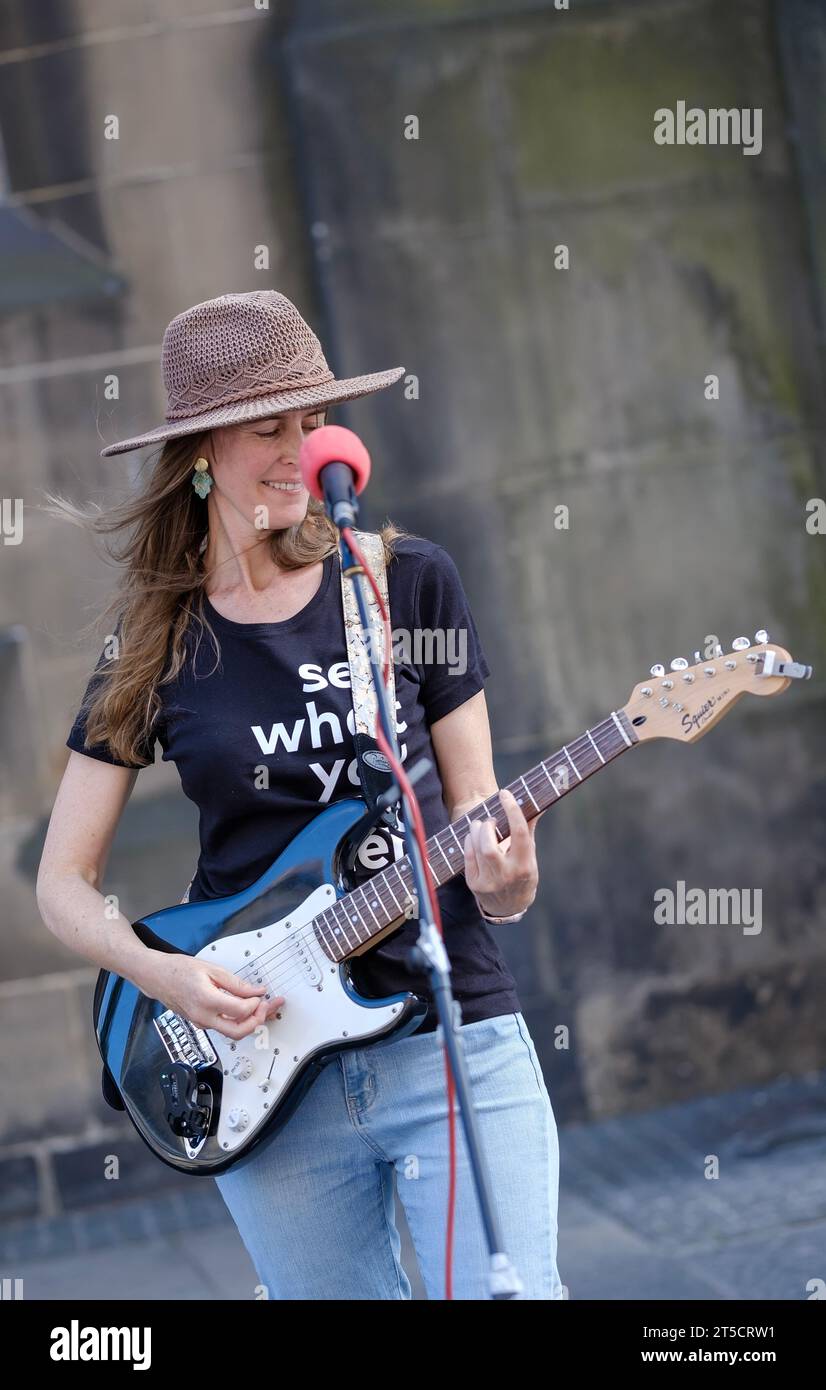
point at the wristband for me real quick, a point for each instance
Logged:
(499, 921)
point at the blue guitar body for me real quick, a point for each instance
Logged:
(201, 1101)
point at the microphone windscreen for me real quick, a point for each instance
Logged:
(332, 444)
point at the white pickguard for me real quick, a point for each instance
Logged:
(318, 1011)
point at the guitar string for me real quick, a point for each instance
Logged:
(270, 958)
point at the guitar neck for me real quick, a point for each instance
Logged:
(356, 921)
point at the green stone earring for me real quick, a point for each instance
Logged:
(201, 481)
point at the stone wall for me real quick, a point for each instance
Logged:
(531, 387)
(537, 388)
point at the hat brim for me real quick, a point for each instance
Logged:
(331, 393)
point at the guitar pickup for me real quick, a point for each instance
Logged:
(793, 670)
(304, 963)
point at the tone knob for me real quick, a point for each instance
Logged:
(241, 1068)
(238, 1119)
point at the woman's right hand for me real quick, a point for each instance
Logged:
(207, 994)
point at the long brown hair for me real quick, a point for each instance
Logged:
(161, 588)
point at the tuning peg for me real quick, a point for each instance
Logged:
(658, 670)
(679, 663)
(740, 643)
(761, 636)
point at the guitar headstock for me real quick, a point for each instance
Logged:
(686, 701)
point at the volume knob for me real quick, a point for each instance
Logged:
(238, 1118)
(241, 1068)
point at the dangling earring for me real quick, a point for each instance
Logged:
(201, 480)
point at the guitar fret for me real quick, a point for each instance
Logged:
(528, 790)
(456, 837)
(571, 761)
(450, 850)
(405, 889)
(619, 726)
(409, 888)
(327, 939)
(334, 943)
(343, 928)
(392, 894)
(363, 891)
(550, 779)
(441, 851)
(596, 750)
(356, 922)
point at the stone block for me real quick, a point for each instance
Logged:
(115, 1169)
(19, 1188)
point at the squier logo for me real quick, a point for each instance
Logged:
(76, 1343)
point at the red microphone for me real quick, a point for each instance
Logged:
(335, 467)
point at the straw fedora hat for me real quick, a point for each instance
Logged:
(244, 357)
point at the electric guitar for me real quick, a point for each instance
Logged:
(203, 1102)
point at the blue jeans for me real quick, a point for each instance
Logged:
(315, 1208)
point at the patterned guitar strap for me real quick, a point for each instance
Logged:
(374, 770)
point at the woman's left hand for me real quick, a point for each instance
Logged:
(503, 876)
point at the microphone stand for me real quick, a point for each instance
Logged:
(429, 952)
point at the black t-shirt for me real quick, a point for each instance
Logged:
(263, 743)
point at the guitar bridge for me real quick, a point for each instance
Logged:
(184, 1041)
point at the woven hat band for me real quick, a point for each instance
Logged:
(211, 395)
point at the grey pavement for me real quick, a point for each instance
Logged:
(719, 1198)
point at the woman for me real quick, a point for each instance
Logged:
(230, 650)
